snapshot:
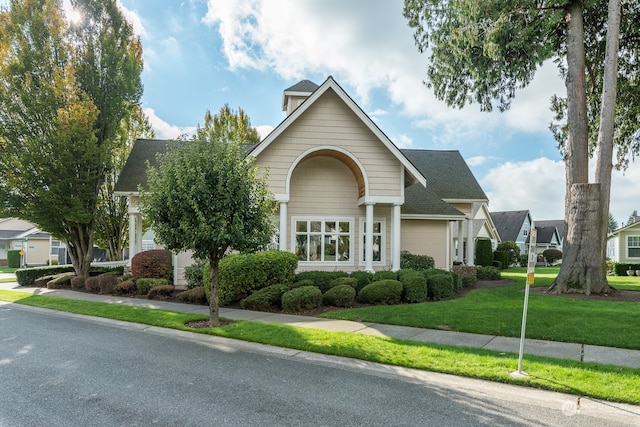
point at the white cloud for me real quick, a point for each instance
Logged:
(625, 193)
(264, 130)
(402, 141)
(163, 129)
(133, 18)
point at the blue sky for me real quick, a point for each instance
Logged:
(202, 54)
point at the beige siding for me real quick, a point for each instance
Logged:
(184, 259)
(329, 122)
(37, 251)
(466, 208)
(424, 237)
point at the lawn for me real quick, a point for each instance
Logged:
(498, 311)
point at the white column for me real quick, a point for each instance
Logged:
(139, 232)
(460, 255)
(283, 226)
(470, 242)
(368, 251)
(395, 238)
(132, 236)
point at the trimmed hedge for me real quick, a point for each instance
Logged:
(385, 275)
(125, 288)
(484, 252)
(622, 267)
(28, 276)
(440, 286)
(13, 258)
(193, 296)
(488, 273)
(415, 262)
(153, 264)
(414, 287)
(340, 296)
(145, 284)
(305, 282)
(469, 281)
(501, 259)
(382, 292)
(92, 284)
(349, 281)
(363, 278)
(265, 299)
(302, 298)
(107, 283)
(161, 291)
(77, 283)
(321, 279)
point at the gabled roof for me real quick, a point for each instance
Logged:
(330, 84)
(10, 234)
(626, 227)
(447, 175)
(421, 202)
(509, 223)
(546, 229)
(134, 172)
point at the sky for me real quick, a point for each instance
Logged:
(202, 54)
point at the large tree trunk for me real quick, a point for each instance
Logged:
(214, 300)
(80, 247)
(582, 261)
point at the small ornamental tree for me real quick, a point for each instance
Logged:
(552, 255)
(207, 197)
(513, 249)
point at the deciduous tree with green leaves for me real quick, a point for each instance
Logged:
(64, 89)
(228, 125)
(484, 52)
(206, 197)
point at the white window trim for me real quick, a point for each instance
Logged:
(629, 246)
(350, 220)
(383, 241)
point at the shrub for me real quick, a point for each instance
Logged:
(153, 264)
(488, 273)
(457, 282)
(552, 255)
(484, 252)
(349, 281)
(299, 283)
(92, 284)
(161, 291)
(501, 259)
(77, 283)
(107, 282)
(414, 287)
(363, 278)
(469, 281)
(340, 296)
(41, 282)
(513, 252)
(28, 276)
(440, 286)
(382, 292)
(144, 285)
(126, 276)
(265, 299)
(321, 279)
(61, 281)
(385, 275)
(193, 296)
(415, 262)
(304, 297)
(118, 270)
(13, 258)
(193, 274)
(125, 287)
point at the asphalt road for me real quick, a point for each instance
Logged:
(58, 369)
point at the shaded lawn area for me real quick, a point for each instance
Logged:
(498, 311)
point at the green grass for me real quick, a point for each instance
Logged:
(586, 379)
(498, 311)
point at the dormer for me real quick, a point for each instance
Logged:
(296, 94)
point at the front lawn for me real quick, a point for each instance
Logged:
(498, 311)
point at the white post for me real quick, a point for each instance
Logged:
(139, 232)
(470, 248)
(368, 251)
(531, 267)
(132, 236)
(395, 238)
(283, 226)
(460, 254)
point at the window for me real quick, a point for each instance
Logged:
(633, 246)
(525, 230)
(323, 240)
(378, 241)
(56, 245)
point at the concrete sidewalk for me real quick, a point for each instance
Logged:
(558, 350)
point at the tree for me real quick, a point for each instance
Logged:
(112, 218)
(206, 197)
(613, 224)
(64, 89)
(512, 249)
(633, 218)
(485, 52)
(228, 125)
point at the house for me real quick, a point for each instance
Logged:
(348, 198)
(514, 226)
(550, 235)
(623, 245)
(38, 247)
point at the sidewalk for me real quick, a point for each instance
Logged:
(558, 350)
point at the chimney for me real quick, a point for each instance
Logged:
(296, 94)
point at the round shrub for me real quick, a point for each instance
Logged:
(77, 283)
(440, 286)
(193, 296)
(299, 283)
(107, 283)
(457, 282)
(381, 292)
(488, 273)
(154, 264)
(415, 262)
(193, 274)
(92, 284)
(469, 281)
(349, 281)
(124, 288)
(265, 299)
(552, 255)
(414, 287)
(321, 279)
(145, 284)
(339, 296)
(302, 298)
(161, 291)
(385, 275)
(363, 278)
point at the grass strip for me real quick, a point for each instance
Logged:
(612, 383)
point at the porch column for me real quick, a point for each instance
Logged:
(470, 242)
(395, 238)
(132, 236)
(368, 250)
(460, 254)
(139, 232)
(283, 226)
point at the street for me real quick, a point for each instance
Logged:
(58, 369)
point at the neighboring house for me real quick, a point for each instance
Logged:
(348, 198)
(623, 244)
(38, 247)
(514, 226)
(550, 235)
